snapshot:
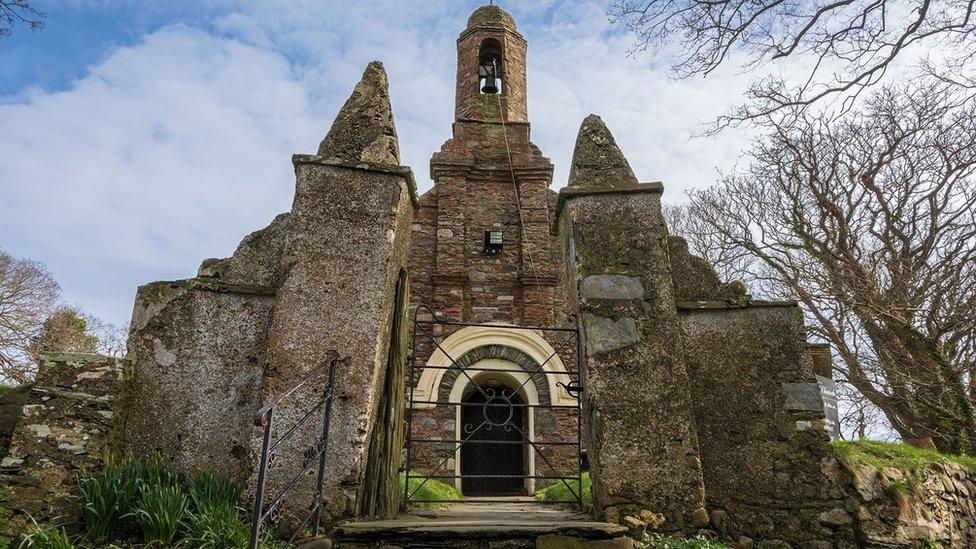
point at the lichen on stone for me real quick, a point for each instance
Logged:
(597, 160)
(363, 130)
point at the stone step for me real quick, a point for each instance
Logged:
(484, 525)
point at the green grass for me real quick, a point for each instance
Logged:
(897, 455)
(559, 491)
(429, 493)
(657, 541)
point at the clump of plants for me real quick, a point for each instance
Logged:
(146, 503)
(429, 492)
(214, 518)
(559, 491)
(52, 537)
(658, 541)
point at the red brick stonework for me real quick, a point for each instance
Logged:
(488, 177)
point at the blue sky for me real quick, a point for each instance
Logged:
(141, 137)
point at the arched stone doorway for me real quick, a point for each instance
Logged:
(457, 369)
(493, 461)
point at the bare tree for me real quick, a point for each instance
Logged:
(870, 223)
(112, 338)
(850, 44)
(28, 294)
(15, 12)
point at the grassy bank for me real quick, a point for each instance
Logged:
(429, 492)
(559, 491)
(890, 454)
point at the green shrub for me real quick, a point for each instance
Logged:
(108, 498)
(657, 541)
(160, 512)
(52, 537)
(429, 492)
(559, 491)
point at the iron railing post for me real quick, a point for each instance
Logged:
(409, 411)
(320, 480)
(259, 489)
(579, 411)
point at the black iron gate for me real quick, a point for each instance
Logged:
(493, 440)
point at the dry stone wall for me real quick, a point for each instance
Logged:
(932, 505)
(11, 403)
(66, 428)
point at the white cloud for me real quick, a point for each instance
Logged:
(171, 150)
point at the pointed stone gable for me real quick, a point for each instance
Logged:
(363, 130)
(597, 161)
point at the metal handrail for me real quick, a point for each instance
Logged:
(261, 417)
(265, 418)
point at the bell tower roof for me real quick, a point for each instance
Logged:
(491, 16)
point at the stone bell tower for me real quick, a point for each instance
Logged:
(481, 248)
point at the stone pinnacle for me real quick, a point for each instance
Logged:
(363, 130)
(597, 161)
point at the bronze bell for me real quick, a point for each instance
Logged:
(491, 86)
(489, 71)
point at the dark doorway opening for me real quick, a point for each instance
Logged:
(493, 415)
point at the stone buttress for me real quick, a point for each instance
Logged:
(206, 353)
(637, 407)
(343, 256)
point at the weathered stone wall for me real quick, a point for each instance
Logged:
(637, 409)
(766, 461)
(899, 508)
(66, 429)
(11, 403)
(196, 349)
(636, 401)
(208, 352)
(351, 227)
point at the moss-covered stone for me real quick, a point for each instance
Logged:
(363, 130)
(64, 430)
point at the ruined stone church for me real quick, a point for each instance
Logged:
(491, 333)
